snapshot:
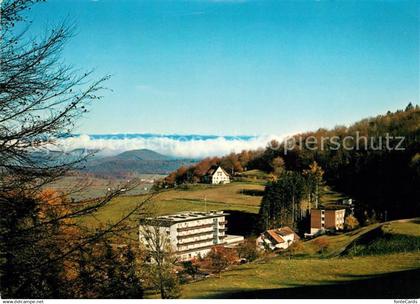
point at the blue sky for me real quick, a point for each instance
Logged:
(241, 67)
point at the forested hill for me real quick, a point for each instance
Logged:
(384, 180)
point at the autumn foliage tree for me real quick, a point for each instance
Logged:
(25, 251)
(351, 222)
(322, 243)
(380, 179)
(159, 262)
(281, 203)
(296, 247)
(314, 177)
(278, 166)
(107, 271)
(233, 163)
(218, 259)
(41, 99)
(248, 250)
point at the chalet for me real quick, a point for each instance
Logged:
(327, 219)
(280, 238)
(217, 175)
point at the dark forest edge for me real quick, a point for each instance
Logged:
(384, 181)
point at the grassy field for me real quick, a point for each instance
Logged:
(331, 197)
(406, 227)
(313, 277)
(91, 187)
(312, 274)
(233, 194)
(336, 243)
(397, 236)
(197, 198)
(281, 273)
(339, 244)
(242, 196)
(254, 176)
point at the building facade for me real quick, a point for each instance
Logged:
(280, 238)
(189, 234)
(217, 175)
(327, 219)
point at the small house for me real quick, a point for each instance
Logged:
(280, 238)
(217, 175)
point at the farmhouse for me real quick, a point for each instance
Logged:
(280, 238)
(217, 175)
(330, 219)
(188, 234)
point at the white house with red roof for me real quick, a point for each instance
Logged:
(280, 238)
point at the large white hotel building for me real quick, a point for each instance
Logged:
(190, 234)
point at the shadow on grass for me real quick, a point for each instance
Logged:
(251, 192)
(402, 284)
(241, 222)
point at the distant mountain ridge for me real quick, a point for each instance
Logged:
(133, 162)
(128, 163)
(141, 154)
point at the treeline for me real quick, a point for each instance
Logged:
(47, 254)
(384, 180)
(288, 199)
(376, 161)
(45, 250)
(233, 163)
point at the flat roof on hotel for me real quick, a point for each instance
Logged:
(183, 217)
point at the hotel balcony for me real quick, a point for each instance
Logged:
(195, 242)
(194, 227)
(194, 249)
(187, 236)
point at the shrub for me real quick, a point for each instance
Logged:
(351, 223)
(248, 250)
(219, 258)
(322, 243)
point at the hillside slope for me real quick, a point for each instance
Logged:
(371, 276)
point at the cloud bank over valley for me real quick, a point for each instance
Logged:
(179, 146)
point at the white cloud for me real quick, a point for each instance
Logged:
(180, 147)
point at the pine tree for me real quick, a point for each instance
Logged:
(281, 203)
(314, 183)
